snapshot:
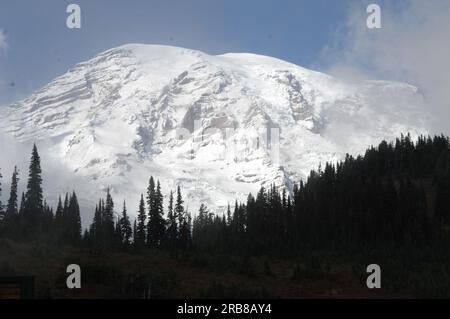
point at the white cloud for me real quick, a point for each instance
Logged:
(413, 46)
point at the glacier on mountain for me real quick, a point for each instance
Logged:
(219, 126)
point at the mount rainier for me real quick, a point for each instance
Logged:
(207, 123)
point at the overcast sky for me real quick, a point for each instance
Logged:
(330, 36)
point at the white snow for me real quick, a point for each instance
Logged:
(116, 119)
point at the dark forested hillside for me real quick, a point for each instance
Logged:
(397, 194)
(392, 201)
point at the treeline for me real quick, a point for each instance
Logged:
(33, 219)
(395, 195)
(152, 227)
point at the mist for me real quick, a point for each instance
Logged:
(411, 46)
(57, 178)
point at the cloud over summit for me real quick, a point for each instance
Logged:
(412, 46)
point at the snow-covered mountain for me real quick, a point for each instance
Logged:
(218, 126)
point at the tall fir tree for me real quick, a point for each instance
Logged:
(179, 211)
(229, 218)
(179, 208)
(172, 220)
(66, 207)
(108, 220)
(156, 223)
(73, 220)
(59, 221)
(151, 209)
(202, 223)
(125, 226)
(96, 228)
(65, 220)
(140, 235)
(34, 207)
(184, 221)
(186, 231)
(11, 222)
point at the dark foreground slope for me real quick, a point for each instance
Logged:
(119, 274)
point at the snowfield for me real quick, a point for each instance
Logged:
(207, 123)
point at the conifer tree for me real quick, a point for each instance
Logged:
(64, 227)
(65, 211)
(73, 220)
(96, 229)
(179, 208)
(156, 223)
(151, 195)
(180, 213)
(22, 207)
(229, 218)
(108, 226)
(125, 226)
(21, 223)
(34, 207)
(140, 235)
(11, 221)
(151, 208)
(185, 231)
(202, 224)
(59, 221)
(172, 229)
